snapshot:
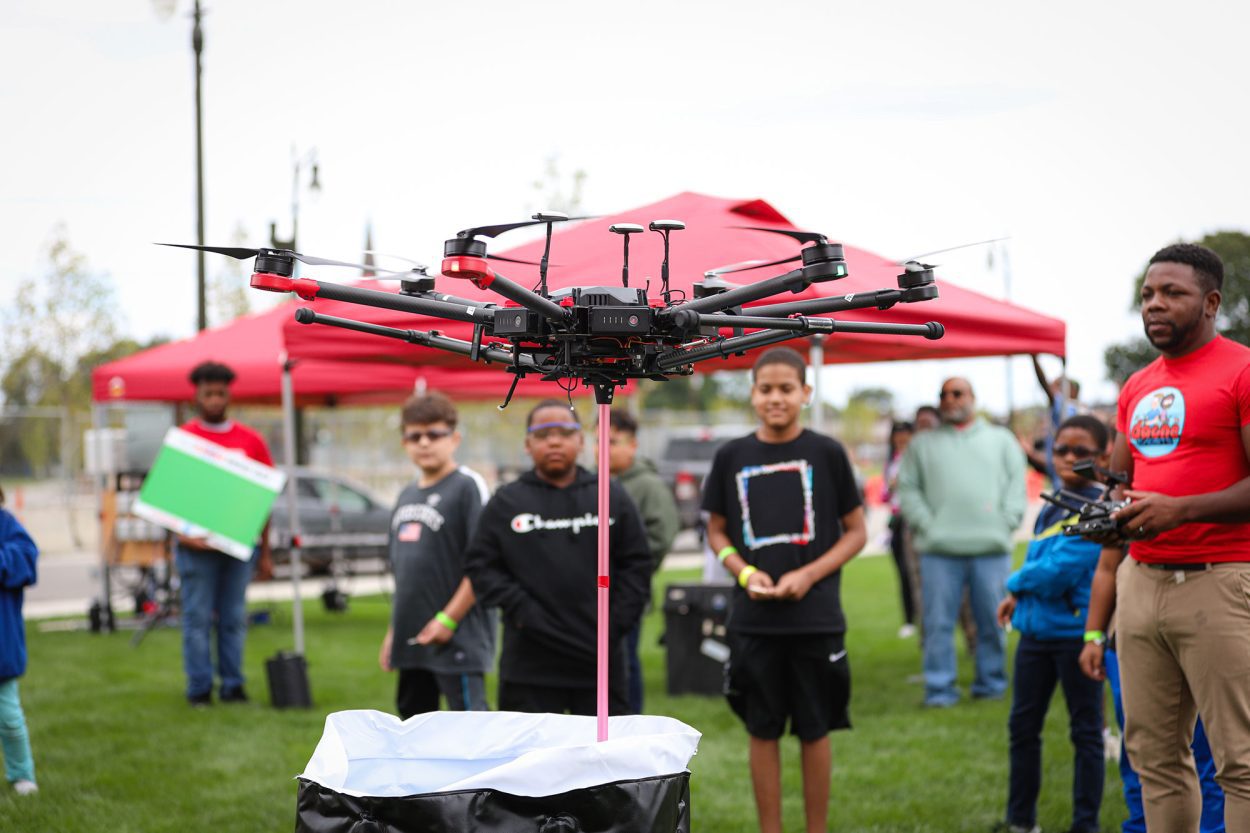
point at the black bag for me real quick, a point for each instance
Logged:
(491, 772)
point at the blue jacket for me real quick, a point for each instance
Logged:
(1052, 586)
(18, 554)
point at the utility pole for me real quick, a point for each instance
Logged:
(197, 44)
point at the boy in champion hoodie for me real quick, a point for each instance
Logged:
(534, 556)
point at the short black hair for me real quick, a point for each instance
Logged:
(781, 355)
(1206, 263)
(624, 422)
(211, 372)
(428, 408)
(928, 409)
(552, 403)
(1092, 425)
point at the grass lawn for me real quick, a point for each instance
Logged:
(118, 749)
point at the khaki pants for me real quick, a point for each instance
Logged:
(1183, 640)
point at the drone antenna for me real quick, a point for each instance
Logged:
(625, 230)
(664, 227)
(550, 218)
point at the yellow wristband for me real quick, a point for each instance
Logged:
(1097, 637)
(726, 552)
(446, 621)
(746, 574)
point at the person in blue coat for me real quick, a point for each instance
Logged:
(1048, 598)
(18, 555)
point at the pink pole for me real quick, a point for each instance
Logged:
(605, 414)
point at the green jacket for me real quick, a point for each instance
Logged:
(962, 490)
(655, 504)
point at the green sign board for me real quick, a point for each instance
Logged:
(200, 489)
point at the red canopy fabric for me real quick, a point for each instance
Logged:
(252, 346)
(588, 255)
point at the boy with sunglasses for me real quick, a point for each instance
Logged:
(439, 640)
(535, 557)
(1048, 598)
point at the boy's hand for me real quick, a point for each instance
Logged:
(197, 543)
(1005, 609)
(1091, 661)
(384, 655)
(794, 585)
(760, 586)
(434, 633)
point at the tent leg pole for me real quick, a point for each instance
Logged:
(288, 450)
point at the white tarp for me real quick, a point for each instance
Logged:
(370, 753)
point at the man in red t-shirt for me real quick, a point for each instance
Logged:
(1182, 598)
(213, 585)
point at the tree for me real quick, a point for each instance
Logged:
(229, 296)
(553, 194)
(1233, 247)
(66, 314)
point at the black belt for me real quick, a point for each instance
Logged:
(1188, 567)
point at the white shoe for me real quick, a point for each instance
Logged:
(24, 787)
(1110, 745)
(907, 631)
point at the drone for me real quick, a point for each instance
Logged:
(603, 336)
(1094, 517)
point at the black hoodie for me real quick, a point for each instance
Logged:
(535, 556)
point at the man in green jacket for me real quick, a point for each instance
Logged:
(659, 515)
(961, 490)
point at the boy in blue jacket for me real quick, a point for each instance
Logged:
(1047, 602)
(17, 571)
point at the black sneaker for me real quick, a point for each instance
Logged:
(233, 695)
(199, 701)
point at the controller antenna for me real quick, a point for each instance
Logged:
(550, 218)
(664, 227)
(625, 230)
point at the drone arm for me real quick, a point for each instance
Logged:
(479, 272)
(793, 281)
(798, 329)
(489, 352)
(310, 289)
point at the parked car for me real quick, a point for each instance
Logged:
(686, 461)
(333, 513)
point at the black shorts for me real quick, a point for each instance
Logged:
(524, 697)
(803, 679)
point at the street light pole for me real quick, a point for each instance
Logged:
(197, 44)
(297, 162)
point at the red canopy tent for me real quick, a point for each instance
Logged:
(587, 254)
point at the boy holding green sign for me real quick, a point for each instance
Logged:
(214, 583)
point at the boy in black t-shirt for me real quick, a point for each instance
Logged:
(784, 516)
(439, 640)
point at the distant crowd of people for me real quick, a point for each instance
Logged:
(1158, 603)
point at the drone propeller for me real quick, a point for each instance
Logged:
(496, 230)
(951, 249)
(801, 236)
(244, 254)
(748, 265)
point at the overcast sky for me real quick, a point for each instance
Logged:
(1091, 133)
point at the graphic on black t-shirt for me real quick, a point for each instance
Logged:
(776, 504)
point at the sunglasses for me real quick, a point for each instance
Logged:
(546, 430)
(1078, 451)
(951, 394)
(433, 435)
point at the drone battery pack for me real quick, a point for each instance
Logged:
(622, 321)
(514, 322)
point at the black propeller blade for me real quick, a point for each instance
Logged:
(496, 230)
(244, 254)
(801, 236)
(749, 265)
